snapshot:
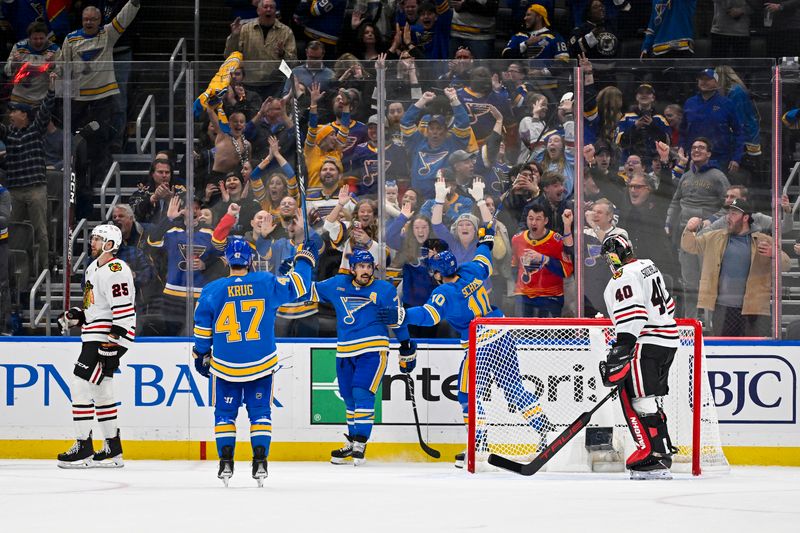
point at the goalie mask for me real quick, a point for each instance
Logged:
(617, 251)
(108, 233)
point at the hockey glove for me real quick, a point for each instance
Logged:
(202, 363)
(285, 266)
(307, 251)
(391, 316)
(108, 349)
(216, 97)
(486, 235)
(408, 356)
(617, 365)
(72, 318)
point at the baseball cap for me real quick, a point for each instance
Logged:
(567, 96)
(438, 118)
(708, 73)
(20, 106)
(458, 156)
(540, 10)
(742, 205)
(601, 146)
(645, 87)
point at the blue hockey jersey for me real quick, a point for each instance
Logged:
(671, 27)
(481, 120)
(716, 120)
(236, 315)
(357, 326)
(427, 161)
(460, 301)
(175, 244)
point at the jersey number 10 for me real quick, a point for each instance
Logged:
(479, 303)
(228, 320)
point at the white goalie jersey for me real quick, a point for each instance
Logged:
(109, 303)
(639, 304)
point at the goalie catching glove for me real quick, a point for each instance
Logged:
(617, 365)
(486, 235)
(408, 356)
(391, 316)
(72, 318)
(202, 363)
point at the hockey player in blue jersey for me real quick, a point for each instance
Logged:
(236, 317)
(362, 346)
(461, 297)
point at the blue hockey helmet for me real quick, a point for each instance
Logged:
(238, 252)
(360, 255)
(444, 263)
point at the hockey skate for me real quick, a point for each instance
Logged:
(79, 456)
(111, 454)
(359, 449)
(259, 465)
(226, 465)
(652, 468)
(340, 456)
(460, 458)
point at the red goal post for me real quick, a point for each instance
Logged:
(557, 363)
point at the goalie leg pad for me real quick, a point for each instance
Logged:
(649, 432)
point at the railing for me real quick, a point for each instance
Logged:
(114, 171)
(792, 175)
(81, 227)
(35, 318)
(150, 136)
(174, 82)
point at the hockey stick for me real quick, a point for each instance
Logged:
(425, 448)
(301, 184)
(528, 469)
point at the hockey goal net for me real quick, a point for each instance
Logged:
(525, 367)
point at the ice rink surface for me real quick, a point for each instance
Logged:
(174, 496)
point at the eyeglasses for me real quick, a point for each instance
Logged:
(636, 187)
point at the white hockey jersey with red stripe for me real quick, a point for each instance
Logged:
(108, 303)
(639, 304)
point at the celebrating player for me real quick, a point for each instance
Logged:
(459, 298)
(639, 360)
(236, 317)
(107, 321)
(362, 347)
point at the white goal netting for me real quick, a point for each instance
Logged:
(534, 377)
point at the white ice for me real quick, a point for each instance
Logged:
(174, 496)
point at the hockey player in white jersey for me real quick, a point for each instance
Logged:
(107, 319)
(639, 360)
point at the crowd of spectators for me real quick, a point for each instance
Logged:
(485, 133)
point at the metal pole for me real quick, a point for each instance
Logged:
(197, 31)
(777, 212)
(381, 83)
(577, 211)
(189, 217)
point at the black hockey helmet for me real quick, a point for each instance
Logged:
(617, 250)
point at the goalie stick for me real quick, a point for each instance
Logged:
(528, 469)
(425, 448)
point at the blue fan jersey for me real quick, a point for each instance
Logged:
(460, 301)
(358, 329)
(237, 316)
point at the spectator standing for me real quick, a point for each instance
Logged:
(322, 21)
(429, 142)
(313, 70)
(737, 273)
(263, 42)
(596, 38)
(432, 31)
(538, 254)
(732, 86)
(699, 193)
(599, 226)
(26, 173)
(473, 26)
(29, 63)
(609, 182)
(90, 51)
(638, 130)
(670, 32)
(552, 201)
(713, 116)
(272, 120)
(132, 252)
(730, 29)
(781, 20)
